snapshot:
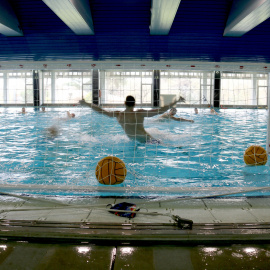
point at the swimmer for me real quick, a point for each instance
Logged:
(212, 111)
(23, 111)
(43, 109)
(70, 115)
(132, 121)
(54, 130)
(171, 115)
(196, 110)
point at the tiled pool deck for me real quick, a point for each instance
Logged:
(68, 233)
(87, 218)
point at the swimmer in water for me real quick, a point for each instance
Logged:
(70, 115)
(54, 130)
(212, 111)
(132, 121)
(171, 115)
(23, 110)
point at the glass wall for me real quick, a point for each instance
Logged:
(195, 87)
(19, 88)
(2, 98)
(262, 84)
(243, 89)
(47, 88)
(68, 87)
(119, 84)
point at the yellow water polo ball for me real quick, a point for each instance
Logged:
(111, 171)
(255, 155)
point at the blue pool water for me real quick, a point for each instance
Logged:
(211, 154)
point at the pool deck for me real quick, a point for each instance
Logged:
(219, 220)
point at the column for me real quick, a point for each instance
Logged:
(36, 89)
(95, 85)
(156, 88)
(217, 89)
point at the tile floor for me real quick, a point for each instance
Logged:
(22, 256)
(84, 254)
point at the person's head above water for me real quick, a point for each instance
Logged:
(130, 101)
(172, 111)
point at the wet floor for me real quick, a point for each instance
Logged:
(24, 255)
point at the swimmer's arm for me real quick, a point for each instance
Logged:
(163, 109)
(181, 119)
(98, 109)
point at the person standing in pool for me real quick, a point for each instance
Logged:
(132, 121)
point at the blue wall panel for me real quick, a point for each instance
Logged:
(122, 33)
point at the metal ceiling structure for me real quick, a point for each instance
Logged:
(120, 30)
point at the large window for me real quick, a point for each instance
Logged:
(262, 89)
(65, 87)
(195, 87)
(19, 88)
(2, 97)
(119, 84)
(47, 87)
(243, 89)
(68, 87)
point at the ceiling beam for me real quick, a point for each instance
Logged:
(9, 23)
(76, 14)
(245, 15)
(162, 16)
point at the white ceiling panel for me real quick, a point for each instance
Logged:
(162, 16)
(76, 14)
(245, 15)
(9, 24)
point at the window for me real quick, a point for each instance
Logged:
(47, 87)
(19, 88)
(262, 89)
(195, 87)
(67, 87)
(2, 99)
(119, 84)
(243, 89)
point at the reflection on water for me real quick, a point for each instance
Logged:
(211, 153)
(231, 257)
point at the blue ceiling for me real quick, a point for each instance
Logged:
(122, 33)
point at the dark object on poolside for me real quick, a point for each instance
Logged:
(124, 206)
(183, 223)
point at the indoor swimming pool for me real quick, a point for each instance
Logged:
(205, 154)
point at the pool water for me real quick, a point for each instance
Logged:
(211, 153)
